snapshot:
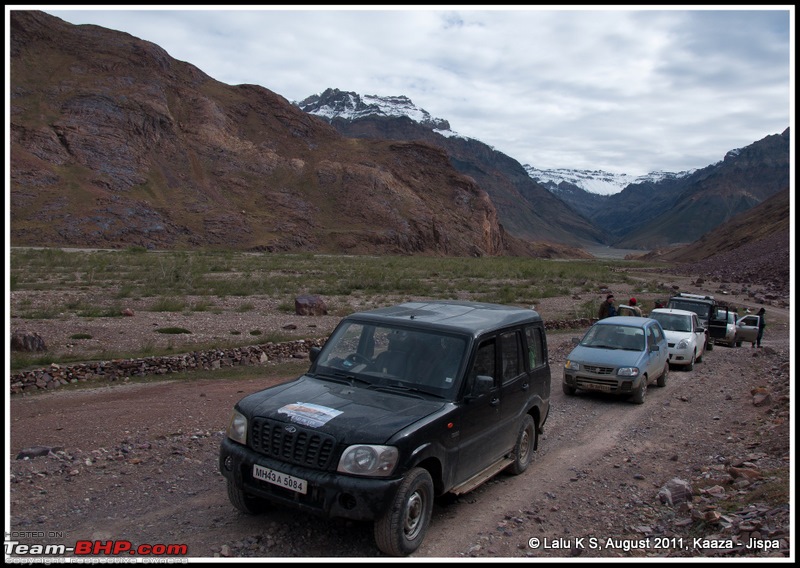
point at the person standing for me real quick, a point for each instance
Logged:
(761, 325)
(636, 309)
(607, 308)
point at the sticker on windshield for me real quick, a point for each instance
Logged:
(309, 414)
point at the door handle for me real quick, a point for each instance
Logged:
(494, 402)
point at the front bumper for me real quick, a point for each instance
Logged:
(601, 383)
(679, 356)
(329, 494)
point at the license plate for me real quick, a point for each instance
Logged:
(281, 479)
(596, 387)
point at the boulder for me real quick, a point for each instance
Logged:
(27, 341)
(310, 305)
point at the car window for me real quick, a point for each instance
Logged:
(483, 365)
(658, 335)
(533, 338)
(510, 356)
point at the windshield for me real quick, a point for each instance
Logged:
(673, 322)
(614, 337)
(702, 310)
(389, 357)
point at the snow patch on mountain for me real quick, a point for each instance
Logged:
(596, 181)
(350, 106)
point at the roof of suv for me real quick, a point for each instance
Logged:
(473, 318)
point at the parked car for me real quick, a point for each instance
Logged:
(619, 355)
(729, 317)
(686, 338)
(400, 405)
(712, 315)
(747, 329)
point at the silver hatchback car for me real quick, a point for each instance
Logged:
(618, 355)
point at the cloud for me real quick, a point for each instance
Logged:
(624, 90)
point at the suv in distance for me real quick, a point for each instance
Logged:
(401, 404)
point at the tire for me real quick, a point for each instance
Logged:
(568, 390)
(709, 346)
(738, 344)
(245, 503)
(523, 449)
(662, 380)
(688, 367)
(401, 529)
(640, 394)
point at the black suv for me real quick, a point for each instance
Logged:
(401, 404)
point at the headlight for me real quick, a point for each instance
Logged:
(683, 344)
(572, 365)
(368, 460)
(628, 372)
(237, 427)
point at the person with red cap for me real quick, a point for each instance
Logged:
(631, 309)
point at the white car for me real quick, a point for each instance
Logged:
(686, 338)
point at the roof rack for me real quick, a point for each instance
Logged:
(696, 296)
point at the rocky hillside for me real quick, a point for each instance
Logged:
(116, 144)
(753, 247)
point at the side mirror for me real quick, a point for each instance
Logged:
(654, 348)
(701, 330)
(483, 384)
(313, 353)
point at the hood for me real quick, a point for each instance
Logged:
(675, 336)
(352, 414)
(606, 357)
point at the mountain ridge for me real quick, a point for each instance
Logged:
(650, 211)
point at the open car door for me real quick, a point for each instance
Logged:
(718, 323)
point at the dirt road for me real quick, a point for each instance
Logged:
(138, 463)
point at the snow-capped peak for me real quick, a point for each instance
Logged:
(334, 103)
(596, 181)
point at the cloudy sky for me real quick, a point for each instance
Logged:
(628, 90)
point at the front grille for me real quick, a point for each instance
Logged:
(302, 447)
(599, 370)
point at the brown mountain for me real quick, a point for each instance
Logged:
(526, 209)
(114, 144)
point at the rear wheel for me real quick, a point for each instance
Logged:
(401, 529)
(526, 442)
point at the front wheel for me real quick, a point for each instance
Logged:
(688, 367)
(641, 392)
(662, 380)
(245, 503)
(568, 390)
(401, 529)
(526, 442)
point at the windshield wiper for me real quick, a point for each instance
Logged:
(414, 391)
